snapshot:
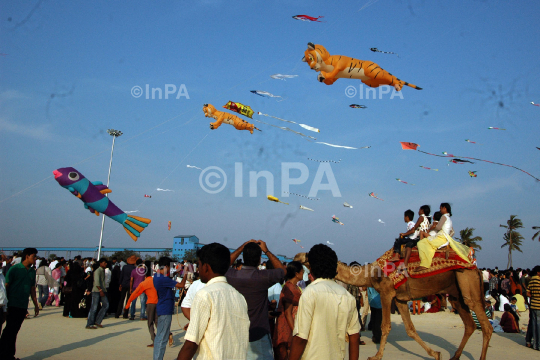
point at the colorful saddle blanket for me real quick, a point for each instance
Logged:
(439, 265)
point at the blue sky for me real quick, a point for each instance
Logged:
(476, 60)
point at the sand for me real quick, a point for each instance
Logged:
(51, 336)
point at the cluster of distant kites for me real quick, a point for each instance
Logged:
(330, 68)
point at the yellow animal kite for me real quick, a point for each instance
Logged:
(224, 117)
(333, 67)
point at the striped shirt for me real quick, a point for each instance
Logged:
(488, 313)
(534, 288)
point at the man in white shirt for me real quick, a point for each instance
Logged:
(326, 314)
(190, 295)
(219, 327)
(52, 265)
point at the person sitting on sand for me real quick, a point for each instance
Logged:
(508, 321)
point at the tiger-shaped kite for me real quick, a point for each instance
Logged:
(227, 118)
(333, 67)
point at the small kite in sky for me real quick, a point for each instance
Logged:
(305, 208)
(356, 106)
(336, 220)
(308, 18)
(160, 189)
(403, 181)
(495, 128)
(287, 129)
(282, 77)
(472, 142)
(329, 243)
(535, 104)
(447, 154)
(169, 226)
(460, 161)
(275, 199)
(239, 108)
(148, 196)
(305, 197)
(193, 167)
(332, 161)
(307, 127)
(382, 222)
(310, 128)
(93, 196)
(346, 204)
(341, 146)
(373, 195)
(297, 242)
(472, 173)
(132, 211)
(424, 167)
(413, 146)
(265, 94)
(538, 148)
(384, 52)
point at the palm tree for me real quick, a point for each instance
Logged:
(537, 233)
(467, 238)
(512, 238)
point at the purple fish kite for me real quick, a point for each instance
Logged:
(93, 196)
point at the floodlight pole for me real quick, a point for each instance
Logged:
(114, 134)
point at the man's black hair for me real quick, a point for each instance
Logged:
(252, 254)
(139, 262)
(410, 214)
(323, 261)
(535, 270)
(164, 261)
(27, 252)
(217, 256)
(103, 259)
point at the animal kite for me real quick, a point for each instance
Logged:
(169, 226)
(239, 108)
(223, 117)
(333, 67)
(148, 196)
(307, 127)
(309, 198)
(297, 242)
(472, 173)
(308, 18)
(329, 243)
(336, 220)
(92, 194)
(282, 77)
(306, 208)
(265, 94)
(535, 104)
(413, 146)
(494, 128)
(346, 204)
(382, 222)
(373, 195)
(384, 52)
(193, 167)
(159, 189)
(404, 182)
(423, 167)
(356, 106)
(324, 161)
(275, 199)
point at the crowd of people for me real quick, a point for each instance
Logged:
(236, 309)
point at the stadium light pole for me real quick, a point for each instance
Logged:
(114, 134)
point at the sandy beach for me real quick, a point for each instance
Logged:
(51, 336)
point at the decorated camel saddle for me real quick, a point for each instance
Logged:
(445, 259)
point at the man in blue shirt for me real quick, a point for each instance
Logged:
(376, 314)
(165, 288)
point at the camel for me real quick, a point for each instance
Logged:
(464, 286)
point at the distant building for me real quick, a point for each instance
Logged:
(184, 243)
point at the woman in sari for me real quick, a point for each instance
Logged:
(430, 244)
(288, 306)
(76, 289)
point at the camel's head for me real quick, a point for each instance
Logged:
(302, 258)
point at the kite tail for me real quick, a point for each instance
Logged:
(412, 85)
(134, 225)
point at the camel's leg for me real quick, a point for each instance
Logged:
(411, 331)
(471, 286)
(468, 322)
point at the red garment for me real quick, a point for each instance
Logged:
(508, 323)
(436, 307)
(290, 294)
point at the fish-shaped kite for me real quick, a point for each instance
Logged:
(403, 181)
(308, 18)
(347, 205)
(472, 173)
(193, 167)
(275, 199)
(265, 94)
(239, 108)
(424, 167)
(92, 194)
(297, 242)
(329, 243)
(495, 128)
(169, 226)
(373, 195)
(282, 77)
(166, 190)
(460, 161)
(535, 104)
(305, 208)
(356, 106)
(148, 196)
(336, 220)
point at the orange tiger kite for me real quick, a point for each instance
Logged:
(224, 117)
(333, 67)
